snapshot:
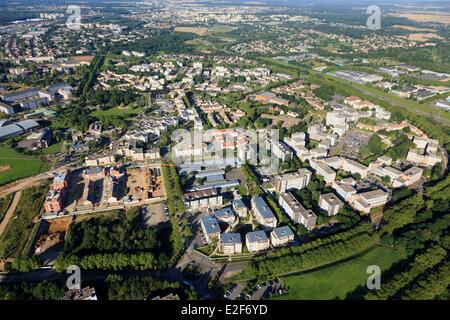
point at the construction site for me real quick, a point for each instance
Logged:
(94, 189)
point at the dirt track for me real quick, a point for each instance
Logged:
(10, 211)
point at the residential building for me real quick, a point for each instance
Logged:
(323, 170)
(281, 151)
(225, 215)
(257, 241)
(230, 243)
(210, 227)
(294, 180)
(296, 211)
(345, 190)
(263, 213)
(240, 208)
(281, 236)
(330, 203)
(366, 201)
(354, 167)
(203, 199)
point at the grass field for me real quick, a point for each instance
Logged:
(338, 280)
(21, 165)
(19, 228)
(53, 149)
(124, 112)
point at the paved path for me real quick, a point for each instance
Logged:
(10, 211)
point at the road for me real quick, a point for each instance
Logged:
(10, 212)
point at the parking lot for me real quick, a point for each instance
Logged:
(354, 141)
(259, 291)
(155, 214)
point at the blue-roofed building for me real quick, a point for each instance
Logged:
(17, 129)
(53, 89)
(263, 213)
(210, 172)
(240, 208)
(210, 227)
(226, 215)
(230, 243)
(281, 236)
(257, 241)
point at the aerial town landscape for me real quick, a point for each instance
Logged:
(224, 150)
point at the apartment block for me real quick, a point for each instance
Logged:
(294, 180)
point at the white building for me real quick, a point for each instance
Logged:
(294, 180)
(281, 236)
(257, 241)
(330, 203)
(296, 211)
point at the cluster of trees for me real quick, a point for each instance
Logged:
(112, 261)
(116, 243)
(73, 116)
(325, 92)
(160, 41)
(176, 206)
(421, 263)
(135, 288)
(44, 290)
(124, 232)
(374, 148)
(89, 77)
(313, 258)
(401, 146)
(403, 213)
(432, 285)
(253, 182)
(112, 98)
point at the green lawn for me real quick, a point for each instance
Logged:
(125, 112)
(53, 149)
(21, 165)
(340, 279)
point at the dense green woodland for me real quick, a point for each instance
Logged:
(117, 243)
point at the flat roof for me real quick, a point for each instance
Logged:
(230, 238)
(195, 195)
(257, 236)
(283, 232)
(293, 175)
(224, 213)
(211, 224)
(296, 206)
(373, 194)
(263, 208)
(331, 199)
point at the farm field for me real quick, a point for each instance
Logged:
(18, 166)
(338, 280)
